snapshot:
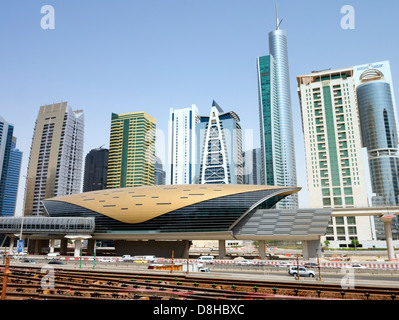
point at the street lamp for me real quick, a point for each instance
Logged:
(23, 210)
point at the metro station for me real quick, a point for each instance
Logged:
(159, 219)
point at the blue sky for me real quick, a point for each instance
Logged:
(125, 55)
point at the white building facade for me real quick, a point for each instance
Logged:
(334, 158)
(183, 145)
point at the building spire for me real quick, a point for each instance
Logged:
(277, 21)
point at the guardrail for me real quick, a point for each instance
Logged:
(336, 265)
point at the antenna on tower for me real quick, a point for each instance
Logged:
(277, 21)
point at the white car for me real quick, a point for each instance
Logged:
(244, 263)
(303, 272)
(358, 266)
(284, 264)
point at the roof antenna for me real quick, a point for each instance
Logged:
(277, 22)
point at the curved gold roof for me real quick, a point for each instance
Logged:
(149, 202)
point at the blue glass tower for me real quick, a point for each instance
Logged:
(380, 136)
(10, 165)
(275, 114)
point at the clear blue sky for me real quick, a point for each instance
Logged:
(150, 55)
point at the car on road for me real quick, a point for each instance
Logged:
(244, 262)
(303, 272)
(310, 265)
(55, 262)
(285, 264)
(357, 266)
(206, 259)
(28, 261)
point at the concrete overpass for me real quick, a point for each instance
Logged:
(386, 214)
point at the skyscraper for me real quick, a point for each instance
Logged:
(56, 155)
(160, 174)
(251, 167)
(10, 168)
(220, 148)
(378, 122)
(131, 159)
(183, 144)
(334, 162)
(96, 166)
(275, 114)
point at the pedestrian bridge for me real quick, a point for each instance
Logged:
(47, 225)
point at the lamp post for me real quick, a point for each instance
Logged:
(23, 209)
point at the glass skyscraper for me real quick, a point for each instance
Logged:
(10, 168)
(380, 135)
(275, 114)
(96, 166)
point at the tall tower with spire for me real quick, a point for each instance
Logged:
(220, 153)
(275, 115)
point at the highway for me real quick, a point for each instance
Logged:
(333, 275)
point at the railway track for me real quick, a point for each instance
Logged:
(33, 283)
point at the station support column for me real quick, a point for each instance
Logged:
(51, 245)
(78, 245)
(222, 249)
(387, 219)
(262, 249)
(90, 247)
(64, 247)
(12, 238)
(311, 249)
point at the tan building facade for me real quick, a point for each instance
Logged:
(56, 156)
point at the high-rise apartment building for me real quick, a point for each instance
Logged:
(275, 115)
(10, 168)
(378, 122)
(56, 156)
(334, 162)
(96, 166)
(251, 167)
(131, 159)
(220, 148)
(183, 144)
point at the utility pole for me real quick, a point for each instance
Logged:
(23, 210)
(318, 266)
(95, 253)
(297, 266)
(188, 256)
(6, 273)
(173, 253)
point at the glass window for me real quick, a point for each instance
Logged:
(349, 200)
(351, 220)
(325, 192)
(337, 191)
(340, 231)
(348, 191)
(352, 230)
(339, 220)
(326, 201)
(338, 201)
